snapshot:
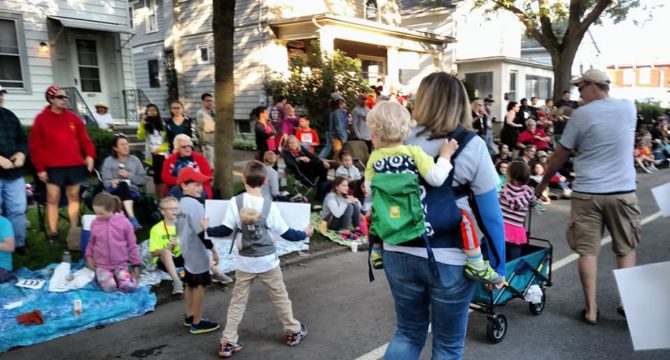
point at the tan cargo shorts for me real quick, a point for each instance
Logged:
(591, 214)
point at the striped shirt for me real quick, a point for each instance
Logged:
(515, 201)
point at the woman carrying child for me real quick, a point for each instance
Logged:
(112, 245)
(516, 199)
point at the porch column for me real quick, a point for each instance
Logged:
(393, 76)
(327, 40)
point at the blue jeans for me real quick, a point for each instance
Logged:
(328, 148)
(488, 138)
(420, 299)
(13, 207)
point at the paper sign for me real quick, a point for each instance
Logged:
(662, 197)
(30, 283)
(296, 215)
(645, 293)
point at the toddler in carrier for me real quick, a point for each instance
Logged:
(516, 199)
(390, 124)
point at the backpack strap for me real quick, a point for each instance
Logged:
(265, 212)
(239, 203)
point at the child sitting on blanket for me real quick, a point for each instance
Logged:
(255, 216)
(390, 124)
(112, 245)
(6, 248)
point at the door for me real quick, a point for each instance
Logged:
(89, 70)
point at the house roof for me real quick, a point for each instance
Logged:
(316, 21)
(506, 59)
(420, 7)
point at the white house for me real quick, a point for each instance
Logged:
(79, 45)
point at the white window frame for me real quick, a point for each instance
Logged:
(629, 76)
(198, 54)
(150, 16)
(131, 16)
(23, 53)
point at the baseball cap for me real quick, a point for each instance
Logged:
(541, 153)
(336, 96)
(594, 76)
(102, 104)
(190, 174)
(2, 90)
(489, 100)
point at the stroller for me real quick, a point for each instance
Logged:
(532, 269)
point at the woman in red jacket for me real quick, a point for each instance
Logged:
(184, 156)
(57, 140)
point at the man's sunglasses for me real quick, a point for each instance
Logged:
(61, 97)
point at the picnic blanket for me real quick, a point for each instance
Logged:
(335, 236)
(98, 308)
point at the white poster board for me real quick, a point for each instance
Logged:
(662, 196)
(645, 293)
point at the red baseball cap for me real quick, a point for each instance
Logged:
(190, 174)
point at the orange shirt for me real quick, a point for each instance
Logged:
(307, 136)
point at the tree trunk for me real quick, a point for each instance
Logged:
(224, 95)
(562, 60)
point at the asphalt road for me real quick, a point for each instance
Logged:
(349, 318)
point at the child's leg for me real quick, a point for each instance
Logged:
(105, 279)
(238, 303)
(513, 251)
(276, 289)
(475, 266)
(125, 280)
(197, 302)
(188, 297)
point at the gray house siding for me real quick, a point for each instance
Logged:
(141, 57)
(197, 78)
(163, 17)
(32, 18)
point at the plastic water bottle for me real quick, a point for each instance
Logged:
(67, 258)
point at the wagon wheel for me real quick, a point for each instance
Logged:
(537, 309)
(496, 328)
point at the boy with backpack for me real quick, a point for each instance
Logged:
(255, 216)
(392, 177)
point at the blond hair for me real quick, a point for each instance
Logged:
(249, 216)
(269, 157)
(181, 137)
(441, 105)
(166, 200)
(390, 121)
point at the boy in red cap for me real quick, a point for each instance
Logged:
(194, 248)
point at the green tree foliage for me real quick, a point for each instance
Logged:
(310, 82)
(560, 25)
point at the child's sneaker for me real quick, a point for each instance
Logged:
(221, 278)
(294, 338)
(228, 349)
(484, 273)
(188, 320)
(376, 258)
(204, 326)
(178, 288)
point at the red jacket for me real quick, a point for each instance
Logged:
(171, 180)
(528, 138)
(58, 140)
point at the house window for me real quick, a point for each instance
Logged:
(89, 71)
(131, 21)
(203, 55)
(628, 77)
(150, 20)
(482, 83)
(372, 68)
(511, 94)
(539, 86)
(645, 75)
(154, 80)
(12, 56)
(371, 10)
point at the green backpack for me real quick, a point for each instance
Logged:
(397, 215)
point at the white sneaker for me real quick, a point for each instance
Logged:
(177, 287)
(221, 278)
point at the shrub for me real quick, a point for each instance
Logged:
(309, 83)
(244, 141)
(649, 112)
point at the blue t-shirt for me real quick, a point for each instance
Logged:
(6, 231)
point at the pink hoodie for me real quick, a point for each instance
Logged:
(112, 243)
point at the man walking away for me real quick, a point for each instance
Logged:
(604, 188)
